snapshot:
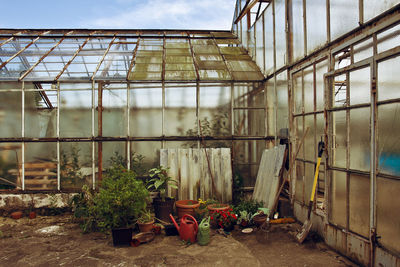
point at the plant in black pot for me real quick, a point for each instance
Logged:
(159, 182)
(119, 202)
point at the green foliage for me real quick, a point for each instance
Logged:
(145, 216)
(82, 207)
(136, 162)
(160, 180)
(250, 206)
(70, 169)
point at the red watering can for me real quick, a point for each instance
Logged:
(188, 229)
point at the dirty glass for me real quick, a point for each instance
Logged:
(320, 69)
(308, 89)
(270, 105)
(308, 181)
(316, 24)
(115, 110)
(41, 166)
(145, 107)
(282, 101)
(280, 33)
(10, 114)
(360, 139)
(252, 43)
(10, 160)
(76, 110)
(269, 38)
(359, 204)
(338, 212)
(339, 138)
(372, 8)
(247, 95)
(388, 73)
(249, 122)
(260, 44)
(363, 50)
(113, 152)
(360, 86)
(320, 128)
(344, 17)
(388, 224)
(299, 194)
(180, 109)
(309, 141)
(246, 155)
(388, 140)
(151, 153)
(298, 29)
(388, 39)
(340, 91)
(75, 165)
(299, 134)
(298, 92)
(244, 33)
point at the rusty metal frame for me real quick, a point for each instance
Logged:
(103, 57)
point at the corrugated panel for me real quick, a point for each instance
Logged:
(190, 168)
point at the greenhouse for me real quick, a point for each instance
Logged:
(208, 104)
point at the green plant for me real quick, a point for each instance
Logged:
(70, 169)
(82, 208)
(160, 181)
(250, 206)
(145, 216)
(136, 162)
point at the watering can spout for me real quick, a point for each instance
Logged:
(173, 220)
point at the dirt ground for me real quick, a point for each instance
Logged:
(55, 240)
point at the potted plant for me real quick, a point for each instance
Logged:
(225, 219)
(159, 182)
(218, 206)
(145, 221)
(119, 202)
(186, 207)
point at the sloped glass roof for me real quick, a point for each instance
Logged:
(120, 55)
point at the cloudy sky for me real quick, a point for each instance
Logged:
(131, 14)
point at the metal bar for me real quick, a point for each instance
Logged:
(23, 135)
(104, 55)
(128, 151)
(248, 108)
(93, 142)
(198, 113)
(163, 115)
(305, 27)
(58, 136)
(246, 9)
(72, 58)
(133, 59)
(163, 60)
(100, 129)
(7, 41)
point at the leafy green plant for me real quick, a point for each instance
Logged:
(250, 206)
(82, 208)
(160, 181)
(145, 216)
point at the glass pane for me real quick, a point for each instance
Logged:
(309, 142)
(388, 140)
(115, 111)
(388, 39)
(320, 69)
(344, 17)
(308, 181)
(10, 114)
(41, 166)
(316, 24)
(247, 156)
(249, 122)
(113, 152)
(280, 33)
(299, 134)
(260, 44)
(388, 224)
(151, 153)
(340, 138)
(75, 165)
(299, 194)
(360, 86)
(283, 106)
(10, 165)
(338, 213)
(308, 89)
(363, 50)
(360, 139)
(270, 107)
(298, 34)
(388, 73)
(359, 205)
(298, 92)
(373, 8)
(269, 38)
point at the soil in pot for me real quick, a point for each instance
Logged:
(163, 209)
(146, 227)
(121, 236)
(186, 207)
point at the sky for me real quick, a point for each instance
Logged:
(118, 14)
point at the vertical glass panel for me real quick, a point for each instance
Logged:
(270, 107)
(244, 33)
(338, 213)
(320, 69)
(316, 24)
(269, 38)
(283, 102)
(10, 114)
(387, 223)
(10, 165)
(249, 122)
(298, 92)
(252, 43)
(115, 111)
(41, 166)
(151, 153)
(114, 152)
(214, 110)
(145, 107)
(359, 205)
(308, 89)
(299, 134)
(260, 44)
(75, 165)
(363, 50)
(320, 128)
(247, 156)
(76, 113)
(340, 138)
(372, 8)
(299, 194)
(309, 142)
(360, 86)
(280, 33)
(360, 139)
(344, 17)
(388, 139)
(298, 29)
(180, 109)
(388, 73)
(388, 39)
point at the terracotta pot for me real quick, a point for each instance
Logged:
(32, 215)
(218, 207)
(259, 219)
(16, 215)
(186, 207)
(146, 227)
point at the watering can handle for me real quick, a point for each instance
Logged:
(193, 219)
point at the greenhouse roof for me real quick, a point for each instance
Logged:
(124, 55)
